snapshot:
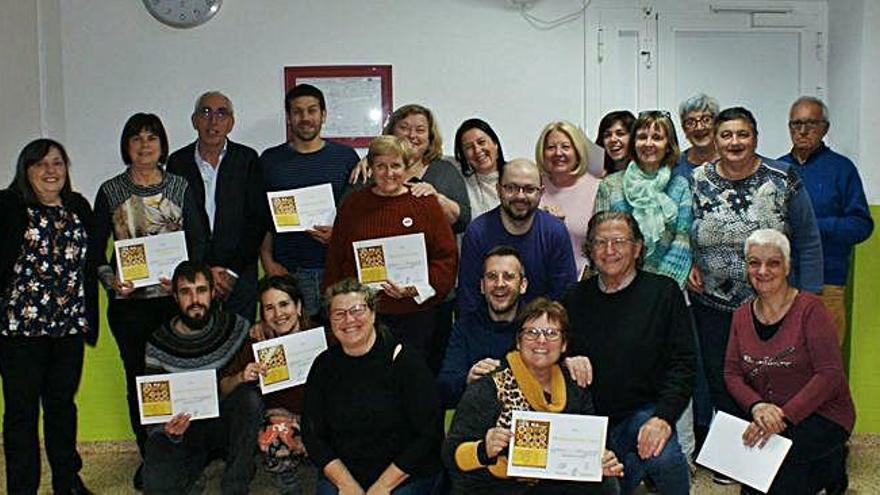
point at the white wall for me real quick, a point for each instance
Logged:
(461, 57)
(19, 83)
(102, 61)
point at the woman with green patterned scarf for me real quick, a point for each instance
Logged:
(659, 201)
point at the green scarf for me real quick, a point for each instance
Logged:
(652, 208)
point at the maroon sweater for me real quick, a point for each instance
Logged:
(365, 215)
(799, 369)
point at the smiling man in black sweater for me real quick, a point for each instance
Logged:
(634, 327)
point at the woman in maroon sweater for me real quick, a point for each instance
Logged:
(385, 209)
(784, 369)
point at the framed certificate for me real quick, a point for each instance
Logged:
(289, 358)
(161, 397)
(557, 446)
(144, 260)
(296, 210)
(358, 99)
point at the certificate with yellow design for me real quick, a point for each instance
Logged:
(557, 446)
(161, 397)
(401, 259)
(296, 210)
(288, 358)
(144, 260)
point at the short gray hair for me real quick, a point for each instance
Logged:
(198, 106)
(696, 103)
(815, 101)
(769, 237)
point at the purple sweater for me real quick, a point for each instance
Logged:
(799, 369)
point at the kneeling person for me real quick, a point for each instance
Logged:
(201, 337)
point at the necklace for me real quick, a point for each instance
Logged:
(769, 315)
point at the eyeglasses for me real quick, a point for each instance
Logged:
(655, 114)
(616, 243)
(692, 122)
(810, 125)
(357, 312)
(532, 334)
(512, 189)
(220, 113)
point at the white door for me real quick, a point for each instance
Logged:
(761, 55)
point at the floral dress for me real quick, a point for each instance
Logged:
(46, 296)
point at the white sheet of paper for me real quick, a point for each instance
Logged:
(292, 356)
(161, 397)
(724, 452)
(296, 210)
(401, 259)
(574, 451)
(143, 260)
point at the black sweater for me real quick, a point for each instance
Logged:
(369, 411)
(639, 341)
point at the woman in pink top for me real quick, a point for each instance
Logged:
(571, 177)
(783, 368)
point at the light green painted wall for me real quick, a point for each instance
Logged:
(864, 338)
(103, 411)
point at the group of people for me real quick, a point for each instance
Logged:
(624, 278)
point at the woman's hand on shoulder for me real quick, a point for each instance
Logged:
(360, 172)
(580, 369)
(420, 189)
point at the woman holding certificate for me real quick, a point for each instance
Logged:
(48, 308)
(281, 310)
(140, 202)
(476, 449)
(783, 368)
(373, 421)
(390, 211)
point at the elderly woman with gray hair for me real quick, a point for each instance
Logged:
(783, 368)
(697, 115)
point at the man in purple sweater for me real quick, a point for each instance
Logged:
(835, 189)
(540, 238)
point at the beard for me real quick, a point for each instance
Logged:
(516, 215)
(504, 306)
(199, 322)
(307, 133)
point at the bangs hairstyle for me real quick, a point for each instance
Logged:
(304, 90)
(625, 118)
(610, 216)
(390, 145)
(663, 120)
(435, 142)
(30, 155)
(578, 142)
(539, 307)
(143, 122)
(736, 113)
(769, 237)
(484, 126)
(287, 284)
(349, 286)
(699, 102)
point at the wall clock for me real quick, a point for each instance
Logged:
(183, 13)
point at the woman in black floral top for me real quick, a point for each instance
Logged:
(48, 308)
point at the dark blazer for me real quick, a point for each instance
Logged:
(13, 223)
(241, 214)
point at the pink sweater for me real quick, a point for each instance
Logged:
(798, 369)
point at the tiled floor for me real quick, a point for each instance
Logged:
(108, 468)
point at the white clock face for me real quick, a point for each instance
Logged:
(183, 13)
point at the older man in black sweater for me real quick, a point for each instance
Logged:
(634, 327)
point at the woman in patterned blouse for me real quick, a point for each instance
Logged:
(48, 308)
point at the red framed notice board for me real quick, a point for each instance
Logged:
(358, 99)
